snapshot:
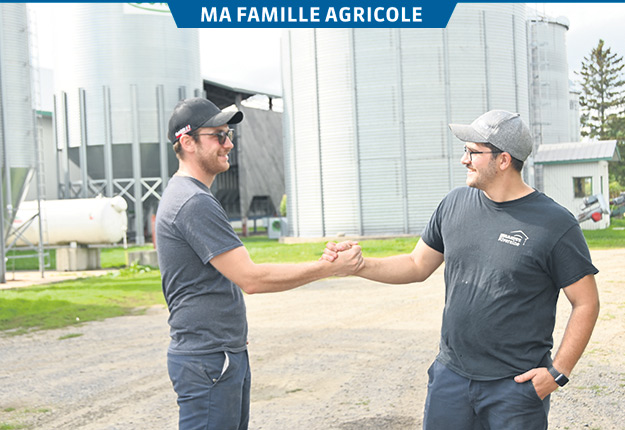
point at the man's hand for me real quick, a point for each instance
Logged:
(543, 382)
(332, 250)
(346, 256)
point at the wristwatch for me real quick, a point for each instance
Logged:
(560, 378)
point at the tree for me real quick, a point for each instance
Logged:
(603, 91)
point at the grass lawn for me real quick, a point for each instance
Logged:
(126, 292)
(611, 237)
(130, 290)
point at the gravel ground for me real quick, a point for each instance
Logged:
(345, 354)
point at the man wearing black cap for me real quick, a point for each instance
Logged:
(508, 251)
(204, 266)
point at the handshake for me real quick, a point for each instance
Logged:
(346, 257)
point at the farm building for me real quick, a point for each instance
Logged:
(576, 171)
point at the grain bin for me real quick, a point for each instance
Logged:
(120, 72)
(549, 79)
(367, 147)
(17, 123)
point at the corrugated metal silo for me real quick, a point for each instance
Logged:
(550, 79)
(118, 77)
(367, 146)
(574, 114)
(17, 125)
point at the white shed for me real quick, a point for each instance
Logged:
(574, 171)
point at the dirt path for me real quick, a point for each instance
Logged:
(343, 354)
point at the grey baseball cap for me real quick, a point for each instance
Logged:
(503, 129)
(198, 112)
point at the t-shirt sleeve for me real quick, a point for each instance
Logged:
(432, 234)
(205, 226)
(570, 260)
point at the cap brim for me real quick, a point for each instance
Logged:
(222, 118)
(466, 133)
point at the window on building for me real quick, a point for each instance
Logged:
(582, 187)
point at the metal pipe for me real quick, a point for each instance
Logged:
(108, 142)
(82, 150)
(136, 168)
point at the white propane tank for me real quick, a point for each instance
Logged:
(85, 221)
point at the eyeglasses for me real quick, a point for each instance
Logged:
(470, 152)
(221, 136)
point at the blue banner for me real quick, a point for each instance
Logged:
(308, 13)
(312, 14)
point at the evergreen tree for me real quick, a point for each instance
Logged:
(603, 92)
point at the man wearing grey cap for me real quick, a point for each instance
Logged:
(204, 266)
(508, 251)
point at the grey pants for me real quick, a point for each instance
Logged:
(454, 402)
(213, 390)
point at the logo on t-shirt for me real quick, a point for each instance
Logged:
(515, 238)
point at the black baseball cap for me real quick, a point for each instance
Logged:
(198, 112)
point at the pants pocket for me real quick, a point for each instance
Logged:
(217, 367)
(529, 387)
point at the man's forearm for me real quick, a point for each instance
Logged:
(273, 278)
(576, 336)
(398, 269)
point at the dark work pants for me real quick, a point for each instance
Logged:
(213, 390)
(454, 402)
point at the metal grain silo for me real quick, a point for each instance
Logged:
(17, 121)
(120, 72)
(549, 84)
(367, 147)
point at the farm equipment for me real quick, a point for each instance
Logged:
(594, 207)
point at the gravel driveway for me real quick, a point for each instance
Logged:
(344, 354)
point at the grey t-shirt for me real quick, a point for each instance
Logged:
(504, 266)
(207, 310)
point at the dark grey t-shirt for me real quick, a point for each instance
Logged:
(207, 310)
(504, 266)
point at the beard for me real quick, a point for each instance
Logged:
(481, 178)
(212, 163)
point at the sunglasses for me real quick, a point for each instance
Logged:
(221, 136)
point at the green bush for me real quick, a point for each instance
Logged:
(283, 205)
(616, 189)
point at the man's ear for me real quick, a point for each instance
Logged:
(187, 142)
(505, 161)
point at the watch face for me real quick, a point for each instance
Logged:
(561, 380)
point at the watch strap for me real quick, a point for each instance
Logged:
(560, 378)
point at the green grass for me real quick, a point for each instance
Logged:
(118, 257)
(109, 258)
(131, 290)
(611, 237)
(74, 302)
(263, 250)
(9, 426)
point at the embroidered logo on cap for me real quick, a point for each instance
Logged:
(183, 130)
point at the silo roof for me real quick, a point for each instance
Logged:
(577, 152)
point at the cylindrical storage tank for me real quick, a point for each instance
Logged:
(17, 124)
(84, 221)
(117, 46)
(367, 146)
(549, 80)
(120, 72)
(574, 114)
